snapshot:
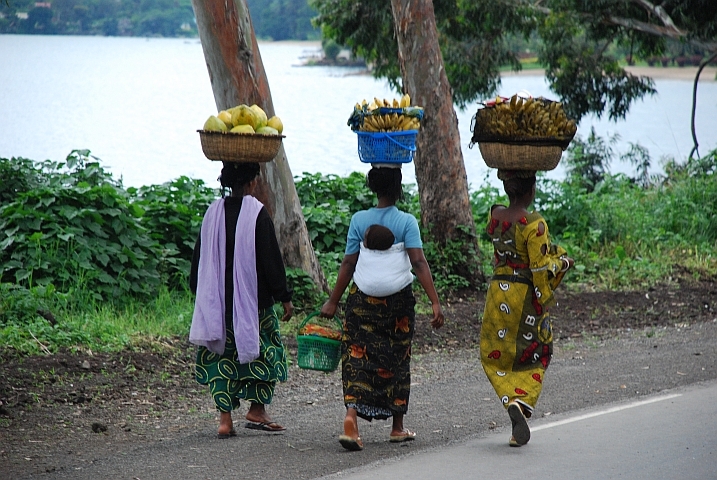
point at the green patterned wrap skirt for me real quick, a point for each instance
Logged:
(376, 353)
(229, 381)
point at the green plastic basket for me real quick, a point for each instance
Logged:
(318, 353)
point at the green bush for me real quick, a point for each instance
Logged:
(307, 296)
(328, 202)
(21, 306)
(80, 233)
(172, 214)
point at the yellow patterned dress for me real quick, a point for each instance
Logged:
(516, 341)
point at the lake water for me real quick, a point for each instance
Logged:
(136, 103)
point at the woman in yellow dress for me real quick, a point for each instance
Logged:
(516, 341)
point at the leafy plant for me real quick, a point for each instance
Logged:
(21, 306)
(78, 232)
(328, 202)
(172, 214)
(588, 160)
(307, 296)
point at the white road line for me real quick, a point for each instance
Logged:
(604, 412)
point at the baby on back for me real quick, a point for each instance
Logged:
(383, 268)
(378, 237)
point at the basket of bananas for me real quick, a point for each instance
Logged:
(386, 130)
(519, 133)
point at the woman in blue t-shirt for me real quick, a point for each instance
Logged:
(380, 313)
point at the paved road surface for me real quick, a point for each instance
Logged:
(669, 436)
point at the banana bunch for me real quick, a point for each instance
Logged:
(404, 102)
(524, 117)
(389, 122)
(386, 115)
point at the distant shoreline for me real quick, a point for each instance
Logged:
(659, 73)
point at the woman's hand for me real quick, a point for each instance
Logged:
(288, 311)
(328, 310)
(438, 318)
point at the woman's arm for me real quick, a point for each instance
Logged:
(423, 273)
(548, 262)
(269, 259)
(194, 269)
(346, 272)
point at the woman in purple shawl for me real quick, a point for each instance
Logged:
(238, 275)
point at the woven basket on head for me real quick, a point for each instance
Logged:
(520, 157)
(239, 147)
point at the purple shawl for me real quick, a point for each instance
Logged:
(208, 327)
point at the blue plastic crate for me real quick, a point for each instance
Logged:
(387, 147)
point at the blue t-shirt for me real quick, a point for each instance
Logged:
(403, 225)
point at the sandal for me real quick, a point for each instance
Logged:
(352, 444)
(232, 433)
(521, 431)
(265, 426)
(405, 436)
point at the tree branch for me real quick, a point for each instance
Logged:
(659, 13)
(669, 30)
(694, 104)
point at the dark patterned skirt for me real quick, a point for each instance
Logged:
(229, 381)
(376, 353)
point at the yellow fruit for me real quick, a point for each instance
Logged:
(275, 122)
(260, 115)
(242, 129)
(244, 115)
(266, 130)
(226, 117)
(405, 101)
(213, 124)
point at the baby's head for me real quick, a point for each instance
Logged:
(378, 237)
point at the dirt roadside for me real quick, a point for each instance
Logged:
(141, 416)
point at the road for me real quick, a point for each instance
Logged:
(671, 435)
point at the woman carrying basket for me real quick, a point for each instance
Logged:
(380, 311)
(237, 274)
(516, 339)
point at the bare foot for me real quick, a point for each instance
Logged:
(226, 425)
(351, 440)
(351, 424)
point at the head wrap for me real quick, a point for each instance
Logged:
(508, 174)
(386, 165)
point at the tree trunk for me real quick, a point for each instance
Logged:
(237, 75)
(440, 172)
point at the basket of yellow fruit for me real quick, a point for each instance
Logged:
(520, 133)
(386, 130)
(242, 134)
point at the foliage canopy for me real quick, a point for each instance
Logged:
(574, 36)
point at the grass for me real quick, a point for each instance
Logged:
(105, 328)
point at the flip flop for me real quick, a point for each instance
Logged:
(232, 433)
(265, 426)
(406, 436)
(513, 443)
(352, 444)
(521, 431)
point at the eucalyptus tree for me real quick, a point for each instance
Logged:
(440, 172)
(237, 76)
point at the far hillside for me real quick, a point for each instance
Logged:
(273, 20)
